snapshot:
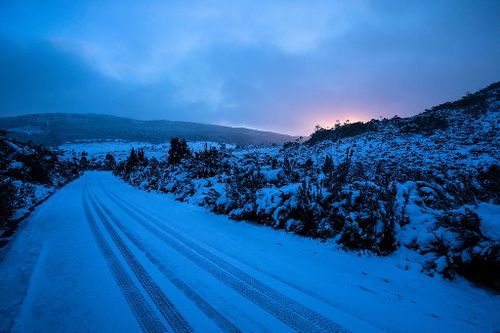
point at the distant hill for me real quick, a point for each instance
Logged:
(58, 128)
(470, 108)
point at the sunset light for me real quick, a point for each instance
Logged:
(249, 166)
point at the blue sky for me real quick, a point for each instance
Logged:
(274, 65)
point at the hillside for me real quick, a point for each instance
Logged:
(28, 175)
(59, 128)
(447, 117)
(425, 187)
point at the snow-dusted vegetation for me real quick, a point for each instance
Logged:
(429, 183)
(96, 150)
(28, 175)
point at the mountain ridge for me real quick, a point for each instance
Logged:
(59, 128)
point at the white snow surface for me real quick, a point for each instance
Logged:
(490, 215)
(121, 149)
(55, 278)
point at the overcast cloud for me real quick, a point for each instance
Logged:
(275, 65)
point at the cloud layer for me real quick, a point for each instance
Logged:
(279, 65)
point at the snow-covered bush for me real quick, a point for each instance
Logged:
(302, 199)
(461, 247)
(7, 195)
(28, 174)
(414, 182)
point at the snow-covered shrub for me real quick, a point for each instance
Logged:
(458, 239)
(207, 162)
(211, 200)
(28, 174)
(290, 170)
(309, 209)
(489, 181)
(426, 123)
(369, 218)
(376, 186)
(7, 197)
(242, 190)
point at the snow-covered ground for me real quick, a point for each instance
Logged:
(101, 256)
(429, 183)
(121, 149)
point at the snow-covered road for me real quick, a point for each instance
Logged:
(100, 256)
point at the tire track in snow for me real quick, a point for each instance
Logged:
(204, 306)
(164, 305)
(144, 314)
(282, 307)
(241, 288)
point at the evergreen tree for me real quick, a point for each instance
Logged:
(131, 163)
(110, 162)
(178, 151)
(84, 162)
(132, 159)
(141, 157)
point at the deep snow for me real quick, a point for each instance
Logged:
(108, 268)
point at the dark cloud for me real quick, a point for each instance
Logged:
(38, 77)
(283, 66)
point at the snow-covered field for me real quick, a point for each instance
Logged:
(121, 149)
(101, 256)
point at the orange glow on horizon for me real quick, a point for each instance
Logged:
(328, 118)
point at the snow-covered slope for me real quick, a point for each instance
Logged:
(429, 183)
(28, 175)
(101, 256)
